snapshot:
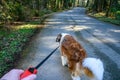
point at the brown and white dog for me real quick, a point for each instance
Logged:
(73, 55)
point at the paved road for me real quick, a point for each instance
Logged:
(101, 40)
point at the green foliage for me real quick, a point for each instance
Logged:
(18, 12)
(11, 11)
(24, 10)
(118, 15)
(102, 17)
(15, 11)
(110, 8)
(45, 11)
(4, 13)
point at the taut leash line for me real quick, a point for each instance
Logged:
(46, 58)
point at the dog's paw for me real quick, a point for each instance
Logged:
(76, 78)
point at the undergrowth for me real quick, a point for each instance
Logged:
(12, 42)
(101, 16)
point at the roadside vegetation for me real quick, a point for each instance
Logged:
(19, 21)
(101, 16)
(105, 10)
(12, 43)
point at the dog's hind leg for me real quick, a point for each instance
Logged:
(63, 57)
(76, 74)
(75, 77)
(64, 60)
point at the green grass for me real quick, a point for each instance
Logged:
(12, 42)
(113, 21)
(102, 17)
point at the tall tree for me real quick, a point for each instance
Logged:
(112, 4)
(87, 4)
(99, 5)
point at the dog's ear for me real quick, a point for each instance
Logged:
(58, 38)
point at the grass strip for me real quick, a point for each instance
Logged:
(101, 16)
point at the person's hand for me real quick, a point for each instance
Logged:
(15, 75)
(30, 77)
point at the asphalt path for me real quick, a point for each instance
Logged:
(100, 40)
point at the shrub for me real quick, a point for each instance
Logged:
(118, 15)
(44, 11)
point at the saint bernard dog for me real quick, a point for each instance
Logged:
(74, 56)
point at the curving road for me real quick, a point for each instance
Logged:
(100, 39)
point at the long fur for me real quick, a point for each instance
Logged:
(73, 54)
(96, 66)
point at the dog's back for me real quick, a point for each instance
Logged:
(75, 50)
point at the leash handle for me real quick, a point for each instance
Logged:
(28, 72)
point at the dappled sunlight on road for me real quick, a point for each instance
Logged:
(117, 31)
(79, 28)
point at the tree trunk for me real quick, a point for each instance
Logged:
(87, 4)
(109, 7)
(95, 5)
(44, 4)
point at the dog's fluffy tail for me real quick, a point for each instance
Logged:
(95, 66)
